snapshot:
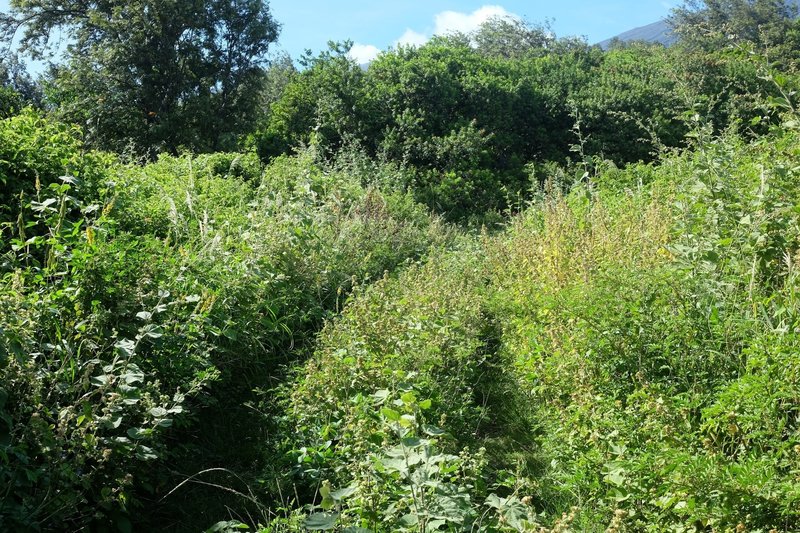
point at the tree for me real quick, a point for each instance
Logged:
(516, 38)
(712, 24)
(17, 88)
(152, 75)
(323, 105)
(278, 76)
(507, 37)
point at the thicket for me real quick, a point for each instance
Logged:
(293, 337)
(473, 122)
(623, 357)
(141, 306)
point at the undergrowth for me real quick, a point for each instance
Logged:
(303, 346)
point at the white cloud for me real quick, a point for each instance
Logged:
(363, 53)
(412, 38)
(444, 23)
(453, 21)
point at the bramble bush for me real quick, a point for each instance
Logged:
(622, 356)
(143, 304)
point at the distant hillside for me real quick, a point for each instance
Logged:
(657, 32)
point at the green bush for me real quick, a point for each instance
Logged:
(620, 357)
(142, 305)
(35, 152)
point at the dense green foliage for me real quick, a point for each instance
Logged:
(135, 299)
(151, 76)
(714, 24)
(17, 88)
(472, 121)
(624, 356)
(290, 338)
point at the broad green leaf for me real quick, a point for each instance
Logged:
(137, 433)
(407, 421)
(380, 396)
(158, 412)
(409, 520)
(433, 431)
(341, 494)
(125, 347)
(144, 315)
(112, 423)
(321, 521)
(409, 398)
(133, 375)
(412, 442)
(328, 503)
(152, 331)
(146, 453)
(101, 380)
(225, 526)
(390, 414)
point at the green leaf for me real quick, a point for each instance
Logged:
(409, 398)
(131, 400)
(494, 501)
(380, 396)
(434, 525)
(409, 520)
(390, 414)
(137, 433)
(146, 453)
(125, 348)
(616, 477)
(341, 494)
(394, 465)
(101, 380)
(133, 375)
(158, 412)
(225, 526)
(113, 423)
(325, 490)
(327, 503)
(321, 521)
(152, 331)
(407, 421)
(412, 442)
(433, 431)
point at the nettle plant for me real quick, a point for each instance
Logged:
(83, 410)
(408, 482)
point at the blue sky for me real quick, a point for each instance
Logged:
(310, 24)
(375, 26)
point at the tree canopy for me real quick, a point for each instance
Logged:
(151, 75)
(710, 24)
